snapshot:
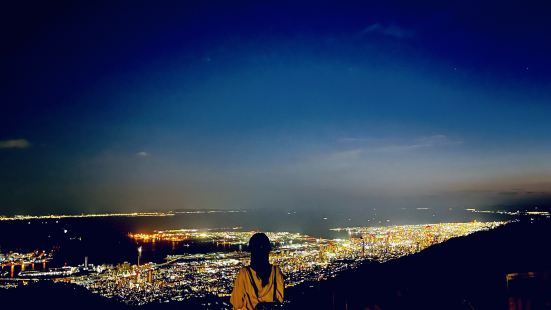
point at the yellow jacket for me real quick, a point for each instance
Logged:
(243, 295)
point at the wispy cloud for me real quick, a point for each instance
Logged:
(371, 145)
(420, 143)
(380, 165)
(358, 151)
(387, 30)
(14, 144)
(143, 154)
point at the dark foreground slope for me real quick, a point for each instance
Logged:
(47, 295)
(464, 273)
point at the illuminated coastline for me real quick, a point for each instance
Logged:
(302, 258)
(512, 213)
(92, 215)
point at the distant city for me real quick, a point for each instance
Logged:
(92, 215)
(302, 257)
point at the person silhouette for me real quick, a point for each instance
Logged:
(260, 285)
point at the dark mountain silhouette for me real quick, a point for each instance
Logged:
(48, 295)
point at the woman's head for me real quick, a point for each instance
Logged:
(259, 244)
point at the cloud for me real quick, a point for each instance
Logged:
(370, 145)
(14, 144)
(387, 30)
(143, 154)
(427, 142)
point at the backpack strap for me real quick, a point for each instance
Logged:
(252, 281)
(274, 270)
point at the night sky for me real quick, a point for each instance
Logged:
(142, 105)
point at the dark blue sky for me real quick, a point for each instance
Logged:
(211, 104)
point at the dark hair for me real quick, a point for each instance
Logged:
(260, 247)
(259, 242)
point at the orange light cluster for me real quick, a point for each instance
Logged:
(158, 236)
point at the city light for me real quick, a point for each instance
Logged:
(301, 257)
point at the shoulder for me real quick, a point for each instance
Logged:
(243, 270)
